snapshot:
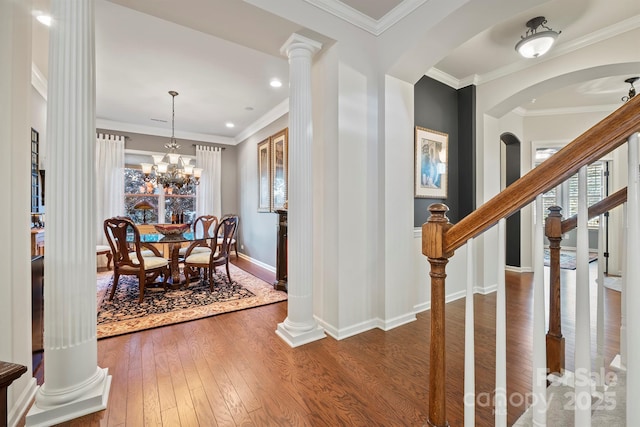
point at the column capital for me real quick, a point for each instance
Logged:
(296, 41)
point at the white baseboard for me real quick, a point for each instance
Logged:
(524, 269)
(19, 410)
(256, 262)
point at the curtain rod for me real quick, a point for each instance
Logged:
(216, 146)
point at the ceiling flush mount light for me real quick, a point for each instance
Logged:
(632, 90)
(171, 170)
(275, 83)
(536, 43)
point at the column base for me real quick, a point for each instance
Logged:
(296, 336)
(92, 400)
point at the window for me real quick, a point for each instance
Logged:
(164, 203)
(566, 194)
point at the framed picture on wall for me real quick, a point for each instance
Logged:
(279, 169)
(431, 167)
(264, 176)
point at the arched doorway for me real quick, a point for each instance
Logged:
(512, 173)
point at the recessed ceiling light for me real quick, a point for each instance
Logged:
(230, 125)
(275, 83)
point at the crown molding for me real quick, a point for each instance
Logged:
(360, 20)
(451, 81)
(273, 115)
(443, 78)
(568, 110)
(150, 130)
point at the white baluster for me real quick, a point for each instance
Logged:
(501, 334)
(621, 361)
(632, 292)
(539, 359)
(600, 309)
(583, 322)
(469, 342)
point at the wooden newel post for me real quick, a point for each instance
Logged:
(433, 247)
(555, 340)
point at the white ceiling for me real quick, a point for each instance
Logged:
(221, 54)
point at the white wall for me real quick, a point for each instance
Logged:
(258, 232)
(15, 166)
(400, 283)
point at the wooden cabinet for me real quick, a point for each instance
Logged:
(281, 252)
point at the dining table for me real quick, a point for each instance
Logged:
(174, 243)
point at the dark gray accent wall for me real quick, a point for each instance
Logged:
(512, 171)
(467, 149)
(444, 109)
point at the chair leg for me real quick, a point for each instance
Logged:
(142, 277)
(211, 271)
(228, 274)
(186, 270)
(235, 246)
(116, 277)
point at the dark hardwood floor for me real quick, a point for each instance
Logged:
(232, 369)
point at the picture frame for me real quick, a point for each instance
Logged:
(431, 163)
(264, 175)
(279, 170)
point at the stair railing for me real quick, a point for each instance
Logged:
(555, 228)
(440, 238)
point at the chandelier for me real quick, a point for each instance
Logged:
(632, 90)
(171, 170)
(536, 43)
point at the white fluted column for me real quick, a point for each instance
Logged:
(583, 316)
(300, 327)
(501, 332)
(632, 291)
(539, 359)
(73, 385)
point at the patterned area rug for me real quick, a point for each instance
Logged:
(124, 314)
(568, 258)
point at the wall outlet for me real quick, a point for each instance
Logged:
(241, 247)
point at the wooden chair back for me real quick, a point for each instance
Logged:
(225, 232)
(116, 230)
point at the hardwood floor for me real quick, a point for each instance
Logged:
(232, 369)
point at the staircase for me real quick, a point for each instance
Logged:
(554, 405)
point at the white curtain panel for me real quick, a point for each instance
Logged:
(208, 197)
(109, 181)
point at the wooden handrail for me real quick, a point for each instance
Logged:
(592, 145)
(604, 205)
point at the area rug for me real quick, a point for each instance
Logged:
(613, 282)
(124, 314)
(568, 258)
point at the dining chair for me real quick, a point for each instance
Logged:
(234, 238)
(219, 255)
(128, 258)
(207, 225)
(105, 250)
